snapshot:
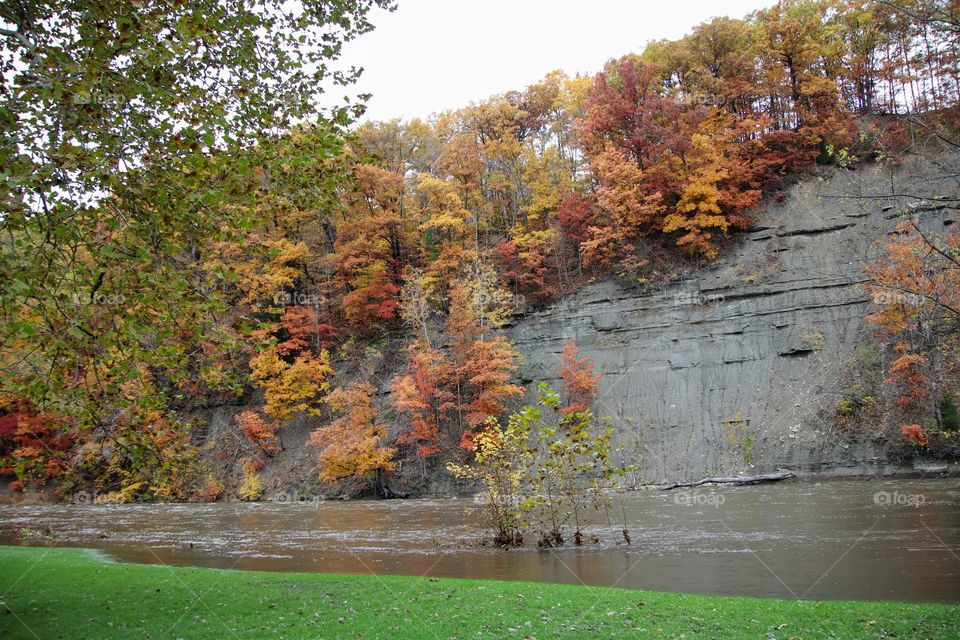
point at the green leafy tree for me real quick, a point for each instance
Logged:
(547, 470)
(134, 134)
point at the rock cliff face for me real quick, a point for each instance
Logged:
(738, 369)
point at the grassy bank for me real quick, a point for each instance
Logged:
(70, 593)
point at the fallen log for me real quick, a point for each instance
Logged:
(739, 480)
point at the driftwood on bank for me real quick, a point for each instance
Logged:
(739, 480)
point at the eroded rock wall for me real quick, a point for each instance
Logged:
(734, 369)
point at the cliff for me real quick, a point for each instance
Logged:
(739, 367)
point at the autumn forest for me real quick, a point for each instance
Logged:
(177, 239)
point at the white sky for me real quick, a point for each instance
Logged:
(434, 55)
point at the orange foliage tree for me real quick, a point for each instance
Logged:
(258, 431)
(486, 387)
(422, 396)
(916, 287)
(369, 250)
(351, 446)
(579, 380)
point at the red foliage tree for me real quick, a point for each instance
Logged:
(34, 445)
(577, 213)
(915, 434)
(626, 111)
(304, 331)
(258, 431)
(486, 384)
(422, 395)
(524, 268)
(579, 380)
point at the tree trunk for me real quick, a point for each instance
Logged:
(739, 480)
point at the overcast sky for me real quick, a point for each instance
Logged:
(433, 55)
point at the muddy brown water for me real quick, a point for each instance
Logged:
(830, 540)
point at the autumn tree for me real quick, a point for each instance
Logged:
(291, 386)
(34, 446)
(916, 286)
(351, 446)
(626, 112)
(258, 431)
(579, 381)
(486, 387)
(713, 194)
(546, 470)
(370, 250)
(302, 330)
(422, 396)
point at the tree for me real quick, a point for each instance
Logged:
(482, 366)
(524, 264)
(370, 248)
(422, 395)
(576, 215)
(34, 447)
(546, 470)
(480, 292)
(579, 381)
(486, 384)
(303, 331)
(258, 431)
(501, 457)
(627, 113)
(916, 286)
(713, 195)
(462, 325)
(633, 210)
(351, 445)
(291, 387)
(418, 302)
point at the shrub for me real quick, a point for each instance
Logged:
(251, 488)
(559, 461)
(915, 434)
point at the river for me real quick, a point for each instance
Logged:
(879, 539)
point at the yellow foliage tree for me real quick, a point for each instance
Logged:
(291, 387)
(260, 267)
(351, 444)
(699, 212)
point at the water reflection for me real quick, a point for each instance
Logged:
(809, 540)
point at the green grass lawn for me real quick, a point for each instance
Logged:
(71, 593)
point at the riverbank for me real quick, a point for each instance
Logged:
(74, 593)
